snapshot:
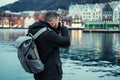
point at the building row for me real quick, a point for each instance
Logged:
(107, 12)
(19, 20)
(25, 19)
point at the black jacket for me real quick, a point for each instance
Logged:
(48, 44)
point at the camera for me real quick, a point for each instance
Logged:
(59, 26)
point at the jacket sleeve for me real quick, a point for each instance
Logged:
(62, 40)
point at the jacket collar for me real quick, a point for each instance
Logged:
(49, 26)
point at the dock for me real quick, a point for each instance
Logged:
(102, 30)
(97, 30)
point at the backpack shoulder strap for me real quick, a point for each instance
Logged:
(39, 32)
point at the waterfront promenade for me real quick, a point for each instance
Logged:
(84, 30)
(102, 30)
(97, 30)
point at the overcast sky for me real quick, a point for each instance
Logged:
(4, 2)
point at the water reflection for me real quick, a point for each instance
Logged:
(84, 46)
(83, 56)
(107, 47)
(94, 46)
(11, 34)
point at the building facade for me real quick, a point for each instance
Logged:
(116, 12)
(107, 13)
(104, 12)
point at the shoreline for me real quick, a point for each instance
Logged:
(97, 30)
(84, 30)
(102, 30)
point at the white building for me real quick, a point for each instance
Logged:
(6, 23)
(28, 21)
(97, 12)
(86, 13)
(72, 10)
(76, 12)
(94, 12)
(116, 12)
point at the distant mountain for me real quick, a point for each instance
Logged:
(35, 5)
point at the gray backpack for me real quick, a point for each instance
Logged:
(28, 54)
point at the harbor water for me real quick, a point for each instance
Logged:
(91, 56)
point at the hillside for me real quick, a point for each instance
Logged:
(34, 5)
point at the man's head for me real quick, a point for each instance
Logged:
(52, 18)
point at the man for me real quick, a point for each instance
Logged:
(48, 44)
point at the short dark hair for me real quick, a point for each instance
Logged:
(49, 16)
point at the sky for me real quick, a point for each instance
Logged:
(5, 2)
